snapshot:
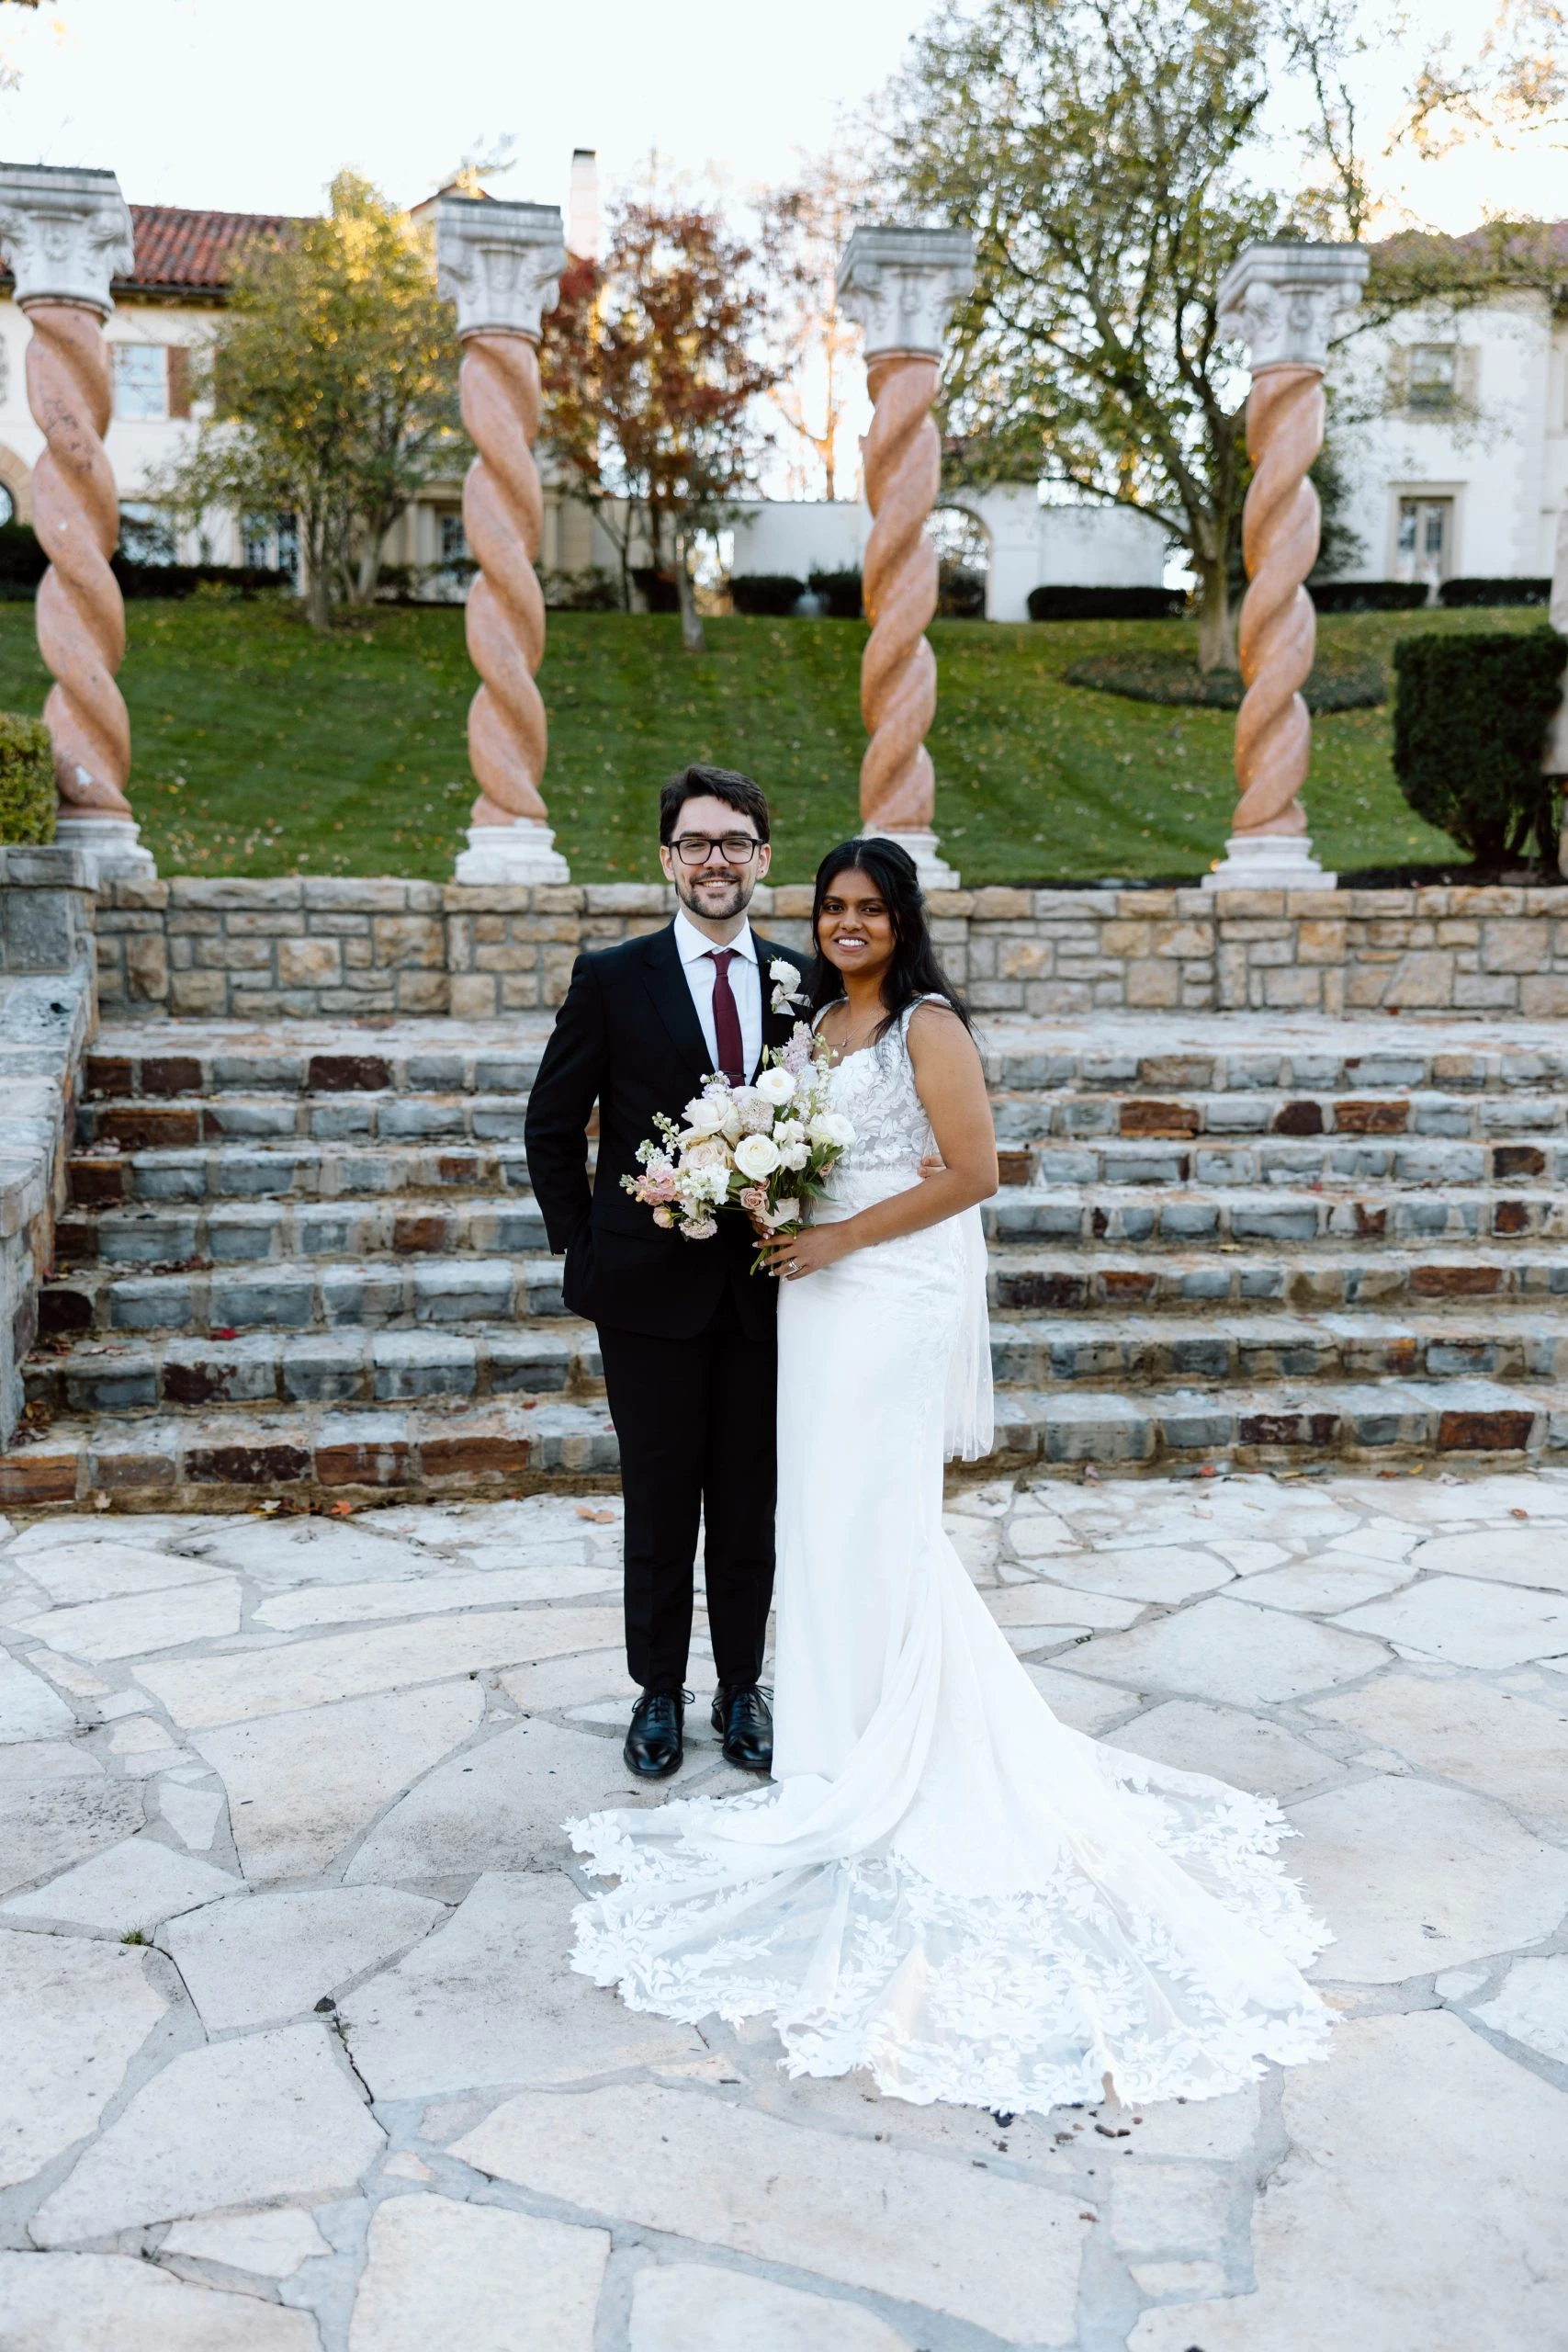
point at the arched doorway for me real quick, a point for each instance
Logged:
(16, 486)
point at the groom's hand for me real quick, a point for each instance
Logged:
(934, 1164)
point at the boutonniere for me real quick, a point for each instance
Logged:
(788, 994)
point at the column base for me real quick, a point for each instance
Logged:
(110, 848)
(523, 854)
(934, 871)
(1270, 861)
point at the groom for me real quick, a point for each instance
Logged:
(686, 1334)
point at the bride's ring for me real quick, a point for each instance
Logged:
(792, 1267)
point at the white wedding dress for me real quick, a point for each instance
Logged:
(943, 1884)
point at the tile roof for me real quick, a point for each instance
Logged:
(194, 252)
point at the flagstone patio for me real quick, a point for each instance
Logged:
(293, 2059)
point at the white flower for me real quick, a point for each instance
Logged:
(785, 973)
(711, 1152)
(706, 1113)
(795, 1156)
(776, 1084)
(756, 1112)
(788, 1131)
(782, 1213)
(756, 1156)
(700, 1228)
(829, 1128)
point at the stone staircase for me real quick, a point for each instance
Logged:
(302, 1260)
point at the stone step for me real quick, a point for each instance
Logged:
(232, 1459)
(1176, 1218)
(322, 1294)
(137, 1124)
(357, 1365)
(171, 1061)
(1032, 1115)
(1393, 1421)
(306, 1170)
(247, 1232)
(1073, 1281)
(1225, 1165)
(1137, 1351)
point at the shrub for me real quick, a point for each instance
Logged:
(22, 561)
(1106, 603)
(26, 780)
(1520, 591)
(657, 589)
(769, 592)
(842, 590)
(180, 580)
(594, 591)
(960, 594)
(1368, 595)
(1153, 675)
(1469, 720)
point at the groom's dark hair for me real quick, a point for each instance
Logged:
(736, 791)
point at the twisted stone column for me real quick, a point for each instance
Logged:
(66, 234)
(897, 688)
(501, 263)
(1285, 299)
(900, 285)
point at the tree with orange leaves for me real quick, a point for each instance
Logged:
(652, 365)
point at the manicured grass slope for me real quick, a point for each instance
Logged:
(261, 748)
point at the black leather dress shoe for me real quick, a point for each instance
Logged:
(653, 1749)
(742, 1721)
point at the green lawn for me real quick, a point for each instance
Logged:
(261, 748)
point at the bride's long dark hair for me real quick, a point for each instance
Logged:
(913, 971)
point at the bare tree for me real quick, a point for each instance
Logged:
(806, 226)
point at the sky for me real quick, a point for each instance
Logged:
(252, 104)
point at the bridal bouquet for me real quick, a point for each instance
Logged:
(764, 1148)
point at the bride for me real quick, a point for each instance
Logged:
(943, 1884)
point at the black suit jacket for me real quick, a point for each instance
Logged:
(627, 1037)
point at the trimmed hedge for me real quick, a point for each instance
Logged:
(1173, 678)
(27, 779)
(842, 592)
(1520, 591)
(1470, 721)
(1368, 595)
(23, 564)
(1106, 603)
(772, 594)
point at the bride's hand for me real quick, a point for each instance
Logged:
(814, 1247)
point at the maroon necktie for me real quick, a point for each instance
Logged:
(725, 1018)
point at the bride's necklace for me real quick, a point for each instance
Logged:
(842, 1048)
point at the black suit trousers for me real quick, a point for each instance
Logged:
(694, 1418)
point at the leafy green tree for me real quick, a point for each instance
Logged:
(330, 391)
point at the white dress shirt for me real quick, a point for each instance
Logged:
(745, 986)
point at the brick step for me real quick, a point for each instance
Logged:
(1033, 1115)
(1144, 1218)
(306, 1170)
(1115, 1054)
(231, 1461)
(1497, 1344)
(309, 1295)
(1393, 1421)
(1074, 1281)
(1225, 1165)
(357, 1365)
(247, 1232)
(137, 1124)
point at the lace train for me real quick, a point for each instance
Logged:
(1017, 2001)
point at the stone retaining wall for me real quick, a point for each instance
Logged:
(312, 948)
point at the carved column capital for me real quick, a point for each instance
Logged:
(66, 234)
(901, 286)
(501, 263)
(1285, 300)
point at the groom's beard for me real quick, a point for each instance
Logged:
(715, 892)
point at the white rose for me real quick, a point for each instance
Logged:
(795, 1156)
(829, 1128)
(776, 1084)
(786, 974)
(789, 1131)
(706, 1113)
(756, 1156)
(783, 1213)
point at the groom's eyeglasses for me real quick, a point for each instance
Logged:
(735, 849)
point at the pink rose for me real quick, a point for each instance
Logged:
(754, 1197)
